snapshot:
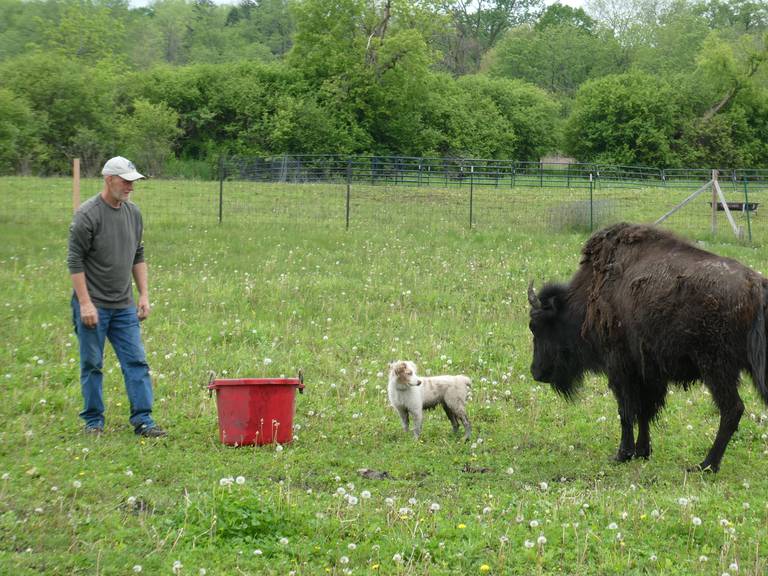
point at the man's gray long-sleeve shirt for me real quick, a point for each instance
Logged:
(105, 243)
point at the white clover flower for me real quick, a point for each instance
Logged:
(619, 537)
(655, 514)
(6, 476)
(240, 480)
(653, 558)
(257, 552)
(129, 472)
(696, 521)
(541, 540)
(529, 544)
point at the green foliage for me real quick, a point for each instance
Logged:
(625, 119)
(20, 149)
(148, 135)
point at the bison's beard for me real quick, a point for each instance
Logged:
(568, 377)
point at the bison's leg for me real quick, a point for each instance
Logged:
(727, 398)
(627, 414)
(653, 401)
(643, 445)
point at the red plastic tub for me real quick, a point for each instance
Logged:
(256, 410)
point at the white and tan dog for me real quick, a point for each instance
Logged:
(410, 394)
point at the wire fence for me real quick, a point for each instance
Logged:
(418, 193)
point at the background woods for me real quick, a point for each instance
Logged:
(178, 83)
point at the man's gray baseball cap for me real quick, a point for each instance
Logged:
(119, 166)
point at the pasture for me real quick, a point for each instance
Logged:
(279, 286)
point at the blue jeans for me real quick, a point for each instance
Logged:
(121, 327)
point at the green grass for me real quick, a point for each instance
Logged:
(272, 291)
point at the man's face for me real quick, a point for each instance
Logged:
(119, 189)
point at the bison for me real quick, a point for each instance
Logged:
(648, 309)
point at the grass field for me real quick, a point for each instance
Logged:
(274, 290)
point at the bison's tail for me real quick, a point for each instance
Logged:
(756, 348)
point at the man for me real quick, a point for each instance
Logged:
(105, 250)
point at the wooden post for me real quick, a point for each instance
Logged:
(75, 184)
(714, 202)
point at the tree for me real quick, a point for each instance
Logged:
(20, 146)
(65, 97)
(556, 57)
(478, 25)
(630, 118)
(148, 135)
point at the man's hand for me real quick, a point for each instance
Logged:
(143, 307)
(89, 316)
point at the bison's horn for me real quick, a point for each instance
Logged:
(532, 298)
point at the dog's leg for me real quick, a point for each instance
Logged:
(451, 417)
(418, 418)
(404, 417)
(462, 416)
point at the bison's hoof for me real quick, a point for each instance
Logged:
(623, 456)
(643, 453)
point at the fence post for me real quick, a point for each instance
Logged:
(75, 184)
(349, 189)
(591, 205)
(471, 193)
(221, 188)
(747, 208)
(715, 200)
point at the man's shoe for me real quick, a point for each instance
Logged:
(151, 432)
(93, 430)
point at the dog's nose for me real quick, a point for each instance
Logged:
(418, 382)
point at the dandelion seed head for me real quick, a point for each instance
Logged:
(529, 544)
(541, 540)
(240, 480)
(696, 521)
(283, 541)
(137, 568)
(77, 484)
(434, 507)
